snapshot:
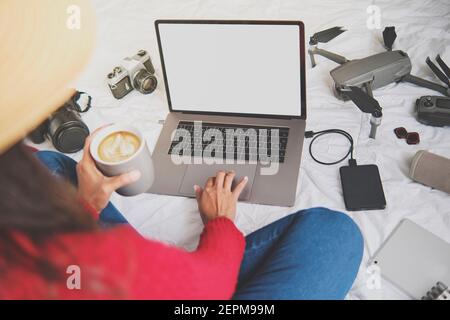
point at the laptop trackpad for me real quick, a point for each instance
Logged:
(198, 174)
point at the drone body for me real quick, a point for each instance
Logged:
(355, 79)
(372, 72)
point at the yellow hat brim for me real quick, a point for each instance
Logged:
(44, 44)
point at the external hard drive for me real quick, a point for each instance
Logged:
(362, 188)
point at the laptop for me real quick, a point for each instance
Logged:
(237, 101)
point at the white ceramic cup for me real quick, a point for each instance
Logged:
(141, 160)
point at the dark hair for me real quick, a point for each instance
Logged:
(35, 204)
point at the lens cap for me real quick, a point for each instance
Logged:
(70, 139)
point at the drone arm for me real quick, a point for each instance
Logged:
(427, 84)
(327, 54)
(311, 56)
(375, 122)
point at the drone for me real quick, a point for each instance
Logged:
(356, 79)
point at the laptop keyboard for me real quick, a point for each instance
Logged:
(249, 143)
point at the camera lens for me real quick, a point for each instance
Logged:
(144, 82)
(67, 131)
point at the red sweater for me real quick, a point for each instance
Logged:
(120, 264)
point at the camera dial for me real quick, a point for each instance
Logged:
(142, 53)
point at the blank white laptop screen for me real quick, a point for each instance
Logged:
(233, 68)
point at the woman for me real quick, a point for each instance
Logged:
(51, 246)
(45, 229)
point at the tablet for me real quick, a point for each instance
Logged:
(414, 259)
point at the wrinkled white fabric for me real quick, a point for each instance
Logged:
(423, 29)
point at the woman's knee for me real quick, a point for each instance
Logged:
(58, 164)
(53, 158)
(50, 158)
(334, 225)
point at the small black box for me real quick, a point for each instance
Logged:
(362, 188)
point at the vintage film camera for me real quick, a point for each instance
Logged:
(135, 72)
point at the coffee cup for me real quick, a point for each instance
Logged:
(119, 149)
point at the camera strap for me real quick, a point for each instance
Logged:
(74, 102)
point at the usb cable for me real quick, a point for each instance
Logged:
(315, 135)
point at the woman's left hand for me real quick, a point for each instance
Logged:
(93, 186)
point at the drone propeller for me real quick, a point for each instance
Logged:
(325, 35)
(438, 72)
(363, 101)
(389, 37)
(443, 66)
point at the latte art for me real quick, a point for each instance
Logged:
(118, 146)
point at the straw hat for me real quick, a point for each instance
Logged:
(44, 44)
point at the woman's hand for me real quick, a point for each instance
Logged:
(217, 199)
(93, 186)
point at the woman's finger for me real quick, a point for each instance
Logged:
(220, 177)
(198, 192)
(240, 187)
(118, 182)
(86, 152)
(210, 182)
(229, 180)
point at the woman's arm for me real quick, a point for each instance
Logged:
(165, 272)
(153, 270)
(211, 271)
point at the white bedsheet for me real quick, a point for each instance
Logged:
(423, 29)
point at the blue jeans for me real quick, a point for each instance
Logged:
(62, 166)
(311, 254)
